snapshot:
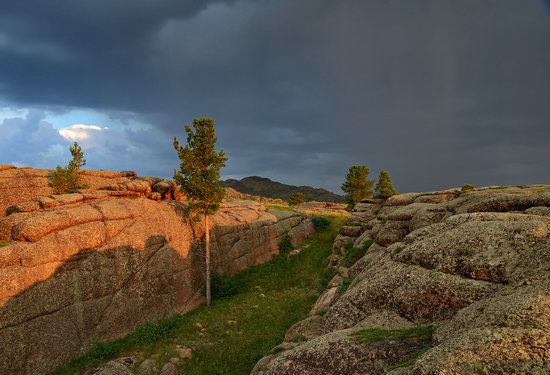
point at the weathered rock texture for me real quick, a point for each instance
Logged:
(474, 265)
(81, 268)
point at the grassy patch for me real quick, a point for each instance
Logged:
(422, 334)
(279, 207)
(370, 335)
(4, 243)
(353, 254)
(238, 330)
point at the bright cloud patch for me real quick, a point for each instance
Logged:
(80, 132)
(28, 138)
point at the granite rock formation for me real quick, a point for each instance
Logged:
(473, 267)
(91, 266)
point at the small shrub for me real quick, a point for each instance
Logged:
(353, 254)
(64, 180)
(4, 243)
(468, 187)
(346, 282)
(224, 286)
(285, 245)
(320, 223)
(67, 180)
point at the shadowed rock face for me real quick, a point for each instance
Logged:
(474, 265)
(81, 268)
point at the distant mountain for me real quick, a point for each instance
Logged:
(266, 188)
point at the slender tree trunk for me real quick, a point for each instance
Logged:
(207, 253)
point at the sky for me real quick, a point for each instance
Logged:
(437, 92)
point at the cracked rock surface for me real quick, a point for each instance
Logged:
(474, 266)
(91, 266)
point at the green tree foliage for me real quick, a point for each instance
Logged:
(78, 160)
(384, 188)
(357, 186)
(296, 199)
(199, 177)
(67, 180)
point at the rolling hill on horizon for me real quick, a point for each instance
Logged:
(265, 187)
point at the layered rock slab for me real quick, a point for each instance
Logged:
(94, 269)
(475, 265)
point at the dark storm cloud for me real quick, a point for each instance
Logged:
(438, 92)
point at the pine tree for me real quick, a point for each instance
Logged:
(67, 180)
(199, 177)
(357, 186)
(296, 199)
(78, 157)
(384, 187)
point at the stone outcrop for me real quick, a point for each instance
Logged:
(91, 266)
(23, 186)
(474, 266)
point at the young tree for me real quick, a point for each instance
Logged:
(199, 177)
(384, 188)
(78, 160)
(67, 180)
(357, 186)
(296, 198)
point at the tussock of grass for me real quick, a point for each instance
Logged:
(271, 298)
(4, 243)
